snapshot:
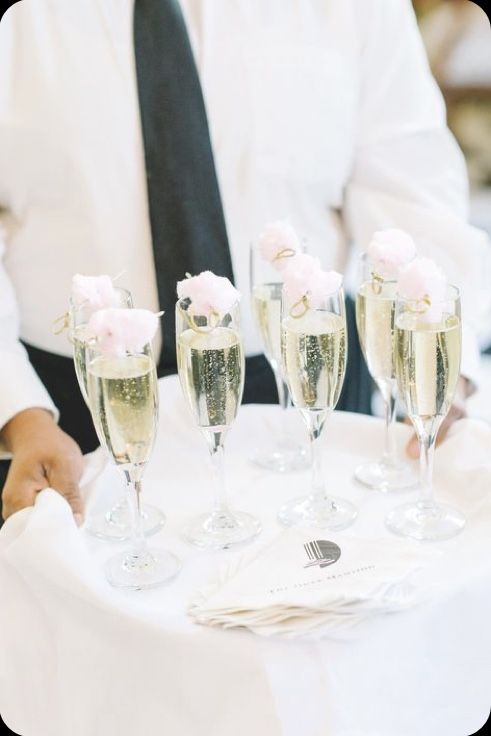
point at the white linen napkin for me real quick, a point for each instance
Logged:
(309, 582)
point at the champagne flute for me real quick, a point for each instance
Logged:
(266, 288)
(427, 357)
(375, 308)
(123, 398)
(210, 362)
(114, 524)
(314, 350)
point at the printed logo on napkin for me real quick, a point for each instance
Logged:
(321, 552)
(354, 558)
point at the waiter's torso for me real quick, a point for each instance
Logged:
(280, 81)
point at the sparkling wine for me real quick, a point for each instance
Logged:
(314, 351)
(123, 401)
(79, 360)
(211, 370)
(266, 309)
(375, 323)
(427, 364)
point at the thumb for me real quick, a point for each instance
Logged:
(412, 448)
(65, 479)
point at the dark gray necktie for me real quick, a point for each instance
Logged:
(186, 215)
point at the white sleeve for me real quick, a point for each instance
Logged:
(408, 171)
(20, 386)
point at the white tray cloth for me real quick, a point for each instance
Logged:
(78, 658)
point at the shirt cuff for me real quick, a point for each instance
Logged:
(21, 389)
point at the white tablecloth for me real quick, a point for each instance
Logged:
(78, 658)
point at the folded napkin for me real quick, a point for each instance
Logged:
(309, 582)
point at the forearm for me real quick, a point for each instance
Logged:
(22, 390)
(25, 426)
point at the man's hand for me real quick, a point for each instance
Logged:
(43, 456)
(456, 412)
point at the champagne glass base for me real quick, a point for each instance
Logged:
(116, 525)
(283, 459)
(425, 522)
(330, 513)
(148, 570)
(384, 477)
(221, 531)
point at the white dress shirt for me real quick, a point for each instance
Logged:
(321, 111)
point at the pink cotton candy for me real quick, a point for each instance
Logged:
(120, 331)
(422, 278)
(208, 293)
(96, 292)
(305, 278)
(424, 282)
(276, 238)
(390, 250)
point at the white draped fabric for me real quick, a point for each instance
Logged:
(79, 658)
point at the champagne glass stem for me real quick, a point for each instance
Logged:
(315, 422)
(138, 541)
(284, 401)
(119, 506)
(217, 456)
(427, 452)
(282, 388)
(390, 449)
